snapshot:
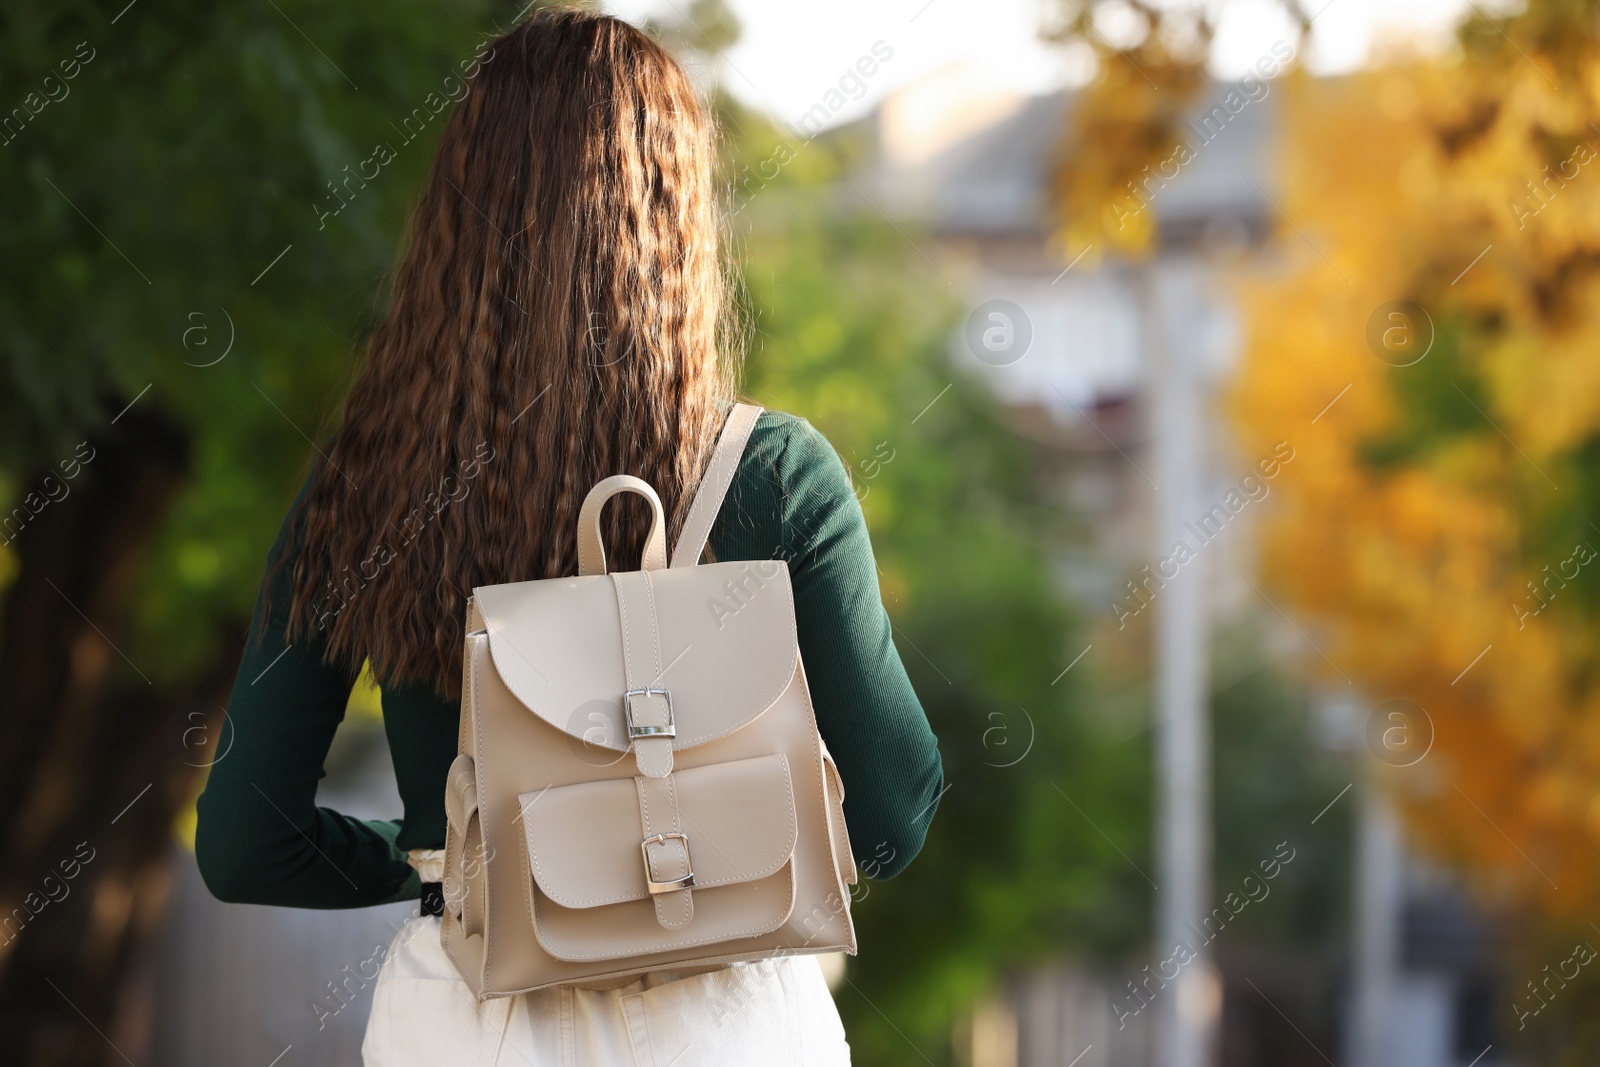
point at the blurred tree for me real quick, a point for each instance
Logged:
(1445, 348)
(1449, 497)
(1425, 335)
(1149, 66)
(1126, 136)
(846, 325)
(707, 28)
(179, 301)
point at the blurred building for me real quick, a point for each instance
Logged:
(977, 183)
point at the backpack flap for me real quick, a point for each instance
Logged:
(595, 849)
(670, 658)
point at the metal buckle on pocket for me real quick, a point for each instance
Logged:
(636, 731)
(686, 882)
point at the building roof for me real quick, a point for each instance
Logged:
(993, 181)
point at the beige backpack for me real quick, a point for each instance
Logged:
(641, 785)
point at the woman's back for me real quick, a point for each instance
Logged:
(555, 320)
(261, 839)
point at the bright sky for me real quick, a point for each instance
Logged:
(792, 53)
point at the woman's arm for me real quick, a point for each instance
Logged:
(866, 709)
(261, 838)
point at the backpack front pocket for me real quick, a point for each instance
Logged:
(631, 866)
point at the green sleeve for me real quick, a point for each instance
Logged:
(261, 838)
(866, 710)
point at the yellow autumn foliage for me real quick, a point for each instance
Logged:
(1438, 530)
(1439, 535)
(1124, 124)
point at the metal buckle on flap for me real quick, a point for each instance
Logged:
(686, 882)
(634, 730)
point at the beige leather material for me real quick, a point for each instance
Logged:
(714, 485)
(641, 784)
(735, 913)
(591, 550)
(668, 872)
(646, 705)
(464, 853)
(727, 652)
(461, 794)
(584, 843)
(844, 861)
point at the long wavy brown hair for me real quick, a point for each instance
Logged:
(554, 320)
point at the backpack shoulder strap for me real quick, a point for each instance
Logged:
(714, 484)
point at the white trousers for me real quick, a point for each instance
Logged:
(775, 1011)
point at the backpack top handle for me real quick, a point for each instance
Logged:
(714, 483)
(592, 551)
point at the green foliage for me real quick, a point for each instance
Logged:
(145, 208)
(1437, 395)
(851, 329)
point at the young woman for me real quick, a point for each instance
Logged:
(554, 321)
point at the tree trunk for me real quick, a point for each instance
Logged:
(97, 757)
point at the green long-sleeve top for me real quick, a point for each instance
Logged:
(262, 839)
